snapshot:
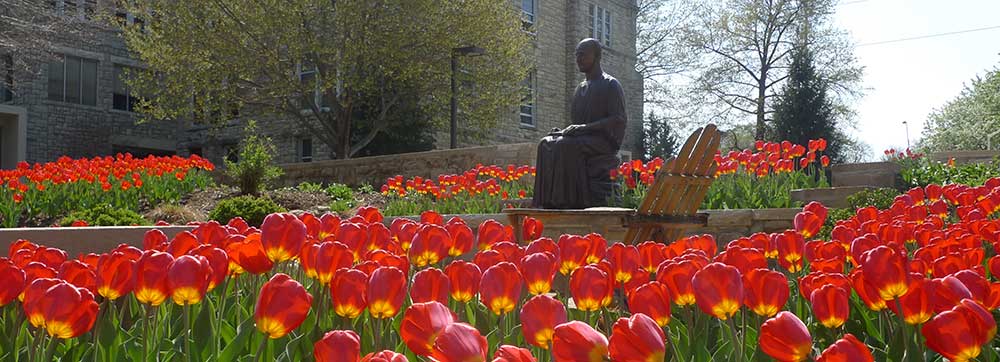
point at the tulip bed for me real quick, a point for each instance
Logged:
(66, 185)
(908, 283)
(480, 190)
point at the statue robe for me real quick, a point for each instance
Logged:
(573, 171)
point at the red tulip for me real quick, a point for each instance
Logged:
(958, 334)
(330, 257)
(282, 305)
(651, 254)
(218, 260)
(182, 243)
(885, 270)
(460, 342)
(355, 236)
(765, 291)
(866, 291)
(790, 247)
(491, 232)
(507, 353)
(338, 346)
(539, 317)
(384, 356)
(847, 349)
(578, 342)
(807, 224)
(79, 274)
(431, 217)
(188, 279)
(573, 252)
(464, 278)
(624, 261)
(348, 291)
(64, 310)
(591, 288)
(385, 292)
(422, 323)
(637, 339)
(500, 288)
(718, 290)
(248, 255)
(538, 270)
(532, 229)
(154, 240)
(487, 258)
(429, 245)
(653, 300)
(430, 284)
(785, 338)
(460, 239)
(282, 236)
(831, 305)
(151, 277)
(12, 283)
(677, 277)
(916, 303)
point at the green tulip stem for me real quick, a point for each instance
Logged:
(187, 332)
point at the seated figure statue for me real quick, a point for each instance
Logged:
(574, 163)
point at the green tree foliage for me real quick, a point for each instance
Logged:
(320, 62)
(254, 168)
(964, 122)
(803, 112)
(660, 138)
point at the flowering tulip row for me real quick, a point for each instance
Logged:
(917, 281)
(479, 190)
(764, 176)
(122, 181)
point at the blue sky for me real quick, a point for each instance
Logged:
(906, 80)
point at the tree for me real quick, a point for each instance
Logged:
(660, 139)
(30, 29)
(746, 46)
(803, 112)
(316, 61)
(964, 122)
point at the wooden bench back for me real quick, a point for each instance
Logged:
(680, 186)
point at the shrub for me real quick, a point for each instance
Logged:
(254, 169)
(339, 192)
(307, 186)
(922, 171)
(881, 198)
(105, 215)
(175, 214)
(250, 208)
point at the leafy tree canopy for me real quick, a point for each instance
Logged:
(964, 122)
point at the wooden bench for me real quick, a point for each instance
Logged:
(670, 205)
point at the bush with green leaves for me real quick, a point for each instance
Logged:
(923, 171)
(105, 215)
(254, 169)
(307, 186)
(251, 208)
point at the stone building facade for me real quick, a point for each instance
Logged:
(40, 120)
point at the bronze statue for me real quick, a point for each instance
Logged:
(574, 163)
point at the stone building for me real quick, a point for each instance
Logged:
(77, 106)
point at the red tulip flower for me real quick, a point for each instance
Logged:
(637, 339)
(791, 246)
(917, 302)
(578, 342)
(188, 279)
(330, 257)
(12, 283)
(651, 254)
(281, 307)
(718, 289)
(500, 288)
(429, 245)
(831, 305)
(624, 261)
(507, 353)
(491, 232)
(431, 217)
(677, 277)
(422, 323)
(370, 214)
(785, 338)
(282, 236)
(64, 310)
(348, 291)
(248, 255)
(461, 238)
(538, 269)
(847, 349)
(430, 284)
(338, 346)
(573, 252)
(539, 317)
(386, 291)
(79, 274)
(653, 300)
(885, 270)
(154, 239)
(465, 278)
(765, 291)
(384, 356)
(460, 342)
(218, 260)
(807, 224)
(591, 288)
(958, 334)
(151, 277)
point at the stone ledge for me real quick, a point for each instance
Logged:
(89, 239)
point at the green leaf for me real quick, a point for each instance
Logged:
(204, 333)
(239, 344)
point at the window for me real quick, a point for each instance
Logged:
(528, 101)
(305, 149)
(123, 99)
(528, 11)
(309, 77)
(600, 24)
(73, 80)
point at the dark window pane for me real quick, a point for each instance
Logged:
(56, 81)
(89, 83)
(121, 102)
(528, 120)
(72, 80)
(307, 150)
(120, 99)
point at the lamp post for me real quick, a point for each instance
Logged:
(907, 127)
(455, 53)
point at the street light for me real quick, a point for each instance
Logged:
(907, 127)
(455, 53)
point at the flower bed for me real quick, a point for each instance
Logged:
(888, 285)
(481, 190)
(120, 182)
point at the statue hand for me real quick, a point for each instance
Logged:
(572, 129)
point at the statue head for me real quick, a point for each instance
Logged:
(588, 55)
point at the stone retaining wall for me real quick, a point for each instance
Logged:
(965, 156)
(375, 170)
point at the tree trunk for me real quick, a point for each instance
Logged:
(761, 92)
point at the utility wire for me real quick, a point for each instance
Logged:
(929, 36)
